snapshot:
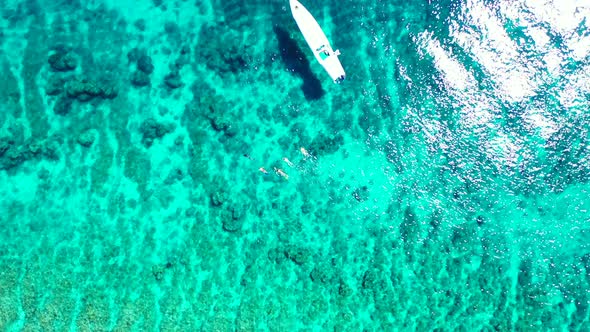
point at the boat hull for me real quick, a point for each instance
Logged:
(317, 41)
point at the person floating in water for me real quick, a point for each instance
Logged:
(281, 173)
(304, 152)
(264, 171)
(288, 162)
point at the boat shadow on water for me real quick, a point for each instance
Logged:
(295, 60)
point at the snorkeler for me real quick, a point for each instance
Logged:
(288, 162)
(281, 173)
(263, 170)
(304, 152)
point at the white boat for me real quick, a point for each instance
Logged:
(317, 41)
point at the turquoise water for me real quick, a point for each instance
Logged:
(446, 186)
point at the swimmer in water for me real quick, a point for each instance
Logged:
(304, 152)
(248, 156)
(282, 173)
(263, 170)
(288, 162)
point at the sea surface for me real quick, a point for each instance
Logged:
(187, 165)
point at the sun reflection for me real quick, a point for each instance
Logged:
(530, 53)
(486, 39)
(454, 73)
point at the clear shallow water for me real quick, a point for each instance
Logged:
(447, 188)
